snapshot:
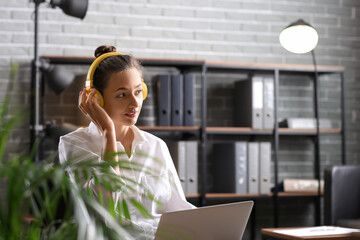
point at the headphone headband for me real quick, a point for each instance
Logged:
(95, 64)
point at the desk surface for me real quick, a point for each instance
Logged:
(268, 233)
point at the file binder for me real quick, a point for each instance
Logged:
(177, 100)
(230, 167)
(185, 158)
(191, 167)
(268, 113)
(178, 153)
(253, 167)
(164, 100)
(265, 168)
(249, 103)
(189, 86)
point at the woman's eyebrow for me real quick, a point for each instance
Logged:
(125, 88)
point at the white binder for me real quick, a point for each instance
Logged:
(253, 167)
(249, 103)
(265, 168)
(268, 106)
(185, 158)
(191, 167)
(178, 153)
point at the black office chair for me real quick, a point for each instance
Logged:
(342, 196)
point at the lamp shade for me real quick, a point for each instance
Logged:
(74, 8)
(57, 78)
(299, 37)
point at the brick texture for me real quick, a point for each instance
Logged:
(219, 30)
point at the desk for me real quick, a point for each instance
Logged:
(270, 234)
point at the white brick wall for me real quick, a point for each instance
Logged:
(221, 30)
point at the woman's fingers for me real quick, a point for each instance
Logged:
(89, 106)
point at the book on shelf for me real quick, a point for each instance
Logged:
(291, 185)
(304, 123)
(303, 185)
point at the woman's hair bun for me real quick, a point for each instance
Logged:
(104, 49)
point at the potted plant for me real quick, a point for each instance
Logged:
(41, 201)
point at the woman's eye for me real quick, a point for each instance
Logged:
(121, 95)
(138, 91)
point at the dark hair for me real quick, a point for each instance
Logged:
(110, 65)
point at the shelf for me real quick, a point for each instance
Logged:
(214, 196)
(146, 62)
(238, 130)
(298, 194)
(288, 131)
(235, 195)
(293, 68)
(192, 195)
(282, 131)
(165, 129)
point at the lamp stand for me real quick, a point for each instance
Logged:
(317, 140)
(35, 127)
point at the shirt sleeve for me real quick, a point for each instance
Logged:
(81, 146)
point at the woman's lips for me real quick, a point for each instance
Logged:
(130, 114)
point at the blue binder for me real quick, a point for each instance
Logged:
(177, 100)
(189, 86)
(164, 100)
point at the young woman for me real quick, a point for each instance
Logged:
(112, 129)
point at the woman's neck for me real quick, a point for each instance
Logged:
(125, 135)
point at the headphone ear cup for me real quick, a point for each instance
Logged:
(97, 94)
(144, 90)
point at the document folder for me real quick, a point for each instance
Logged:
(230, 167)
(268, 113)
(189, 88)
(249, 103)
(164, 100)
(177, 100)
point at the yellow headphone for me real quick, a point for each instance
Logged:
(90, 75)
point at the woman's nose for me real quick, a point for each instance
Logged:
(134, 101)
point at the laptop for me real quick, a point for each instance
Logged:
(225, 222)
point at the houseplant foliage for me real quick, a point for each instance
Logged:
(42, 201)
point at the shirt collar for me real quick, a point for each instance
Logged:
(139, 136)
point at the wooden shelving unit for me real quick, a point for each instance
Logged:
(203, 131)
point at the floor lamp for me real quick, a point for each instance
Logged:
(300, 37)
(75, 8)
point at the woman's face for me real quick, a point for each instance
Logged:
(123, 97)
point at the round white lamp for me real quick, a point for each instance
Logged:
(299, 37)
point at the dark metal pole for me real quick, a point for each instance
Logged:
(276, 148)
(343, 143)
(35, 128)
(203, 136)
(317, 141)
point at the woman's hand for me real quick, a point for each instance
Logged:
(90, 107)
